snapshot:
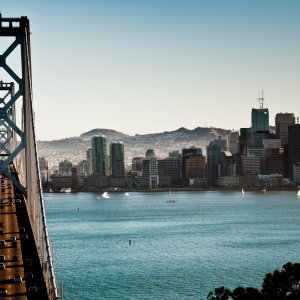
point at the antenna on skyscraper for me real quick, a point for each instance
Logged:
(261, 100)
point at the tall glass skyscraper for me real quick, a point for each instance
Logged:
(117, 159)
(99, 154)
(213, 151)
(260, 120)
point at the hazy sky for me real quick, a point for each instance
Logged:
(140, 66)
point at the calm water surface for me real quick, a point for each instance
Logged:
(179, 250)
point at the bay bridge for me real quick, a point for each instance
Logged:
(26, 263)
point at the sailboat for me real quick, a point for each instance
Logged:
(298, 194)
(242, 192)
(171, 199)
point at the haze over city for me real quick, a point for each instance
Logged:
(150, 66)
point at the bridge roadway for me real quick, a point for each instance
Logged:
(18, 253)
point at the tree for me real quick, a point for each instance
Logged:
(282, 284)
(220, 293)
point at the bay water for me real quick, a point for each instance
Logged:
(180, 250)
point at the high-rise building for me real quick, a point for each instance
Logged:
(65, 167)
(213, 151)
(244, 140)
(137, 164)
(259, 120)
(170, 167)
(117, 159)
(250, 165)
(99, 154)
(187, 152)
(222, 142)
(89, 159)
(195, 166)
(227, 164)
(233, 142)
(274, 161)
(150, 169)
(282, 123)
(84, 167)
(293, 147)
(43, 163)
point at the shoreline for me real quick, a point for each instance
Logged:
(173, 190)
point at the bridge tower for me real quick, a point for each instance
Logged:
(18, 150)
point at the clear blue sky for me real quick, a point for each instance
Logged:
(142, 66)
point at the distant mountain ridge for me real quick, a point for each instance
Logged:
(112, 134)
(74, 148)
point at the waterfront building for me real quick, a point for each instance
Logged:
(293, 147)
(65, 167)
(233, 142)
(74, 178)
(117, 159)
(169, 169)
(282, 123)
(195, 166)
(99, 153)
(296, 173)
(58, 181)
(187, 152)
(228, 181)
(150, 169)
(250, 165)
(274, 161)
(213, 151)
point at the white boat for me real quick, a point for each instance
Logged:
(66, 190)
(242, 192)
(264, 191)
(105, 195)
(171, 198)
(298, 194)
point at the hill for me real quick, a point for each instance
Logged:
(74, 148)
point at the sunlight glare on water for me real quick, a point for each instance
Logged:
(178, 250)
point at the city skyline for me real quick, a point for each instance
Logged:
(144, 67)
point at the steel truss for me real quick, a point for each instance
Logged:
(21, 155)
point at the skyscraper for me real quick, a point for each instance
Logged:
(213, 159)
(99, 154)
(233, 142)
(293, 147)
(259, 120)
(150, 169)
(117, 159)
(65, 167)
(282, 123)
(187, 152)
(244, 140)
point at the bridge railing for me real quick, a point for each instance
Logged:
(23, 155)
